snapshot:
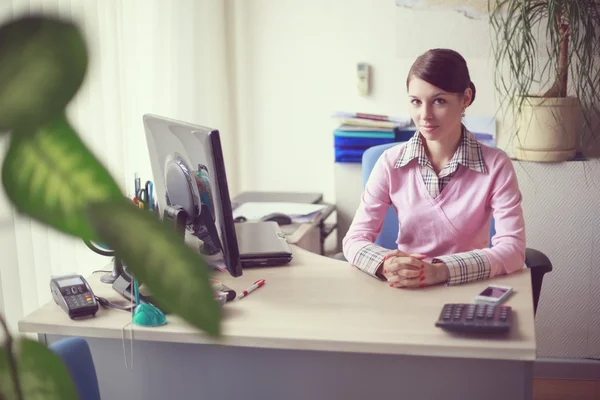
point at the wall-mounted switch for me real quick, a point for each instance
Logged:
(363, 74)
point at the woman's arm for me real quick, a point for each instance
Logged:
(507, 253)
(358, 244)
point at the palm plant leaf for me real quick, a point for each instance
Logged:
(526, 48)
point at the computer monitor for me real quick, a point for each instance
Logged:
(189, 175)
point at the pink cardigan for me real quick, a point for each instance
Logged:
(456, 221)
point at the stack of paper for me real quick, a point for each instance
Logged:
(359, 131)
(372, 120)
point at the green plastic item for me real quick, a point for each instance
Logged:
(146, 314)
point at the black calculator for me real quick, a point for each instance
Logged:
(477, 318)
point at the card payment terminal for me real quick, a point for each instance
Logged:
(74, 295)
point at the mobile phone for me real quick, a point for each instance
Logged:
(493, 295)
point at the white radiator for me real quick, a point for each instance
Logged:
(561, 203)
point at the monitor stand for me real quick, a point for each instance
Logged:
(111, 277)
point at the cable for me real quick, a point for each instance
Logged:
(100, 270)
(105, 303)
(132, 304)
(123, 328)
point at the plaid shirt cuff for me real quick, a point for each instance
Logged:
(466, 267)
(369, 258)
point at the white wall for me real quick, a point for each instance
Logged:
(298, 66)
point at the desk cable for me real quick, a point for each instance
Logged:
(124, 328)
(105, 303)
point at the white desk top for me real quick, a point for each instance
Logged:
(318, 303)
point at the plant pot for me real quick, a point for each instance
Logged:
(548, 129)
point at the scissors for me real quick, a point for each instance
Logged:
(145, 195)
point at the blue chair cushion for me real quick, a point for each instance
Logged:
(389, 232)
(75, 353)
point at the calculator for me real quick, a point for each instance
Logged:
(476, 318)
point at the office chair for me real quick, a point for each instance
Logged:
(535, 260)
(75, 353)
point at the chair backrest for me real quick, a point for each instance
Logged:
(75, 353)
(389, 232)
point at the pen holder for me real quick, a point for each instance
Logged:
(146, 314)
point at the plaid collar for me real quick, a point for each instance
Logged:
(468, 153)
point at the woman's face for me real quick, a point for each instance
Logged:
(436, 113)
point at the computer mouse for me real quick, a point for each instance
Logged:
(280, 218)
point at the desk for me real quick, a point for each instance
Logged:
(318, 329)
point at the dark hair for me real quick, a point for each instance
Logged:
(443, 68)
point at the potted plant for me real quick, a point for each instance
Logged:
(551, 46)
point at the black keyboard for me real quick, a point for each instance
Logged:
(475, 318)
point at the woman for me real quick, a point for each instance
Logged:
(445, 187)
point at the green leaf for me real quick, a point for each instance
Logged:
(157, 256)
(42, 65)
(42, 374)
(51, 176)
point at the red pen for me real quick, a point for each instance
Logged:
(252, 288)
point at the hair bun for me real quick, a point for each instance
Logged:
(472, 86)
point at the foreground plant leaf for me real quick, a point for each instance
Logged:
(42, 373)
(42, 64)
(157, 256)
(51, 176)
